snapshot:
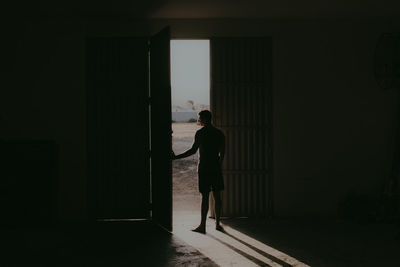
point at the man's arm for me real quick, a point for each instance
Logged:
(191, 151)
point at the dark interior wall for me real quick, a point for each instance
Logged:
(43, 98)
(332, 125)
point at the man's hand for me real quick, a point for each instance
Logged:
(173, 156)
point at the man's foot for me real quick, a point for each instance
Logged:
(200, 229)
(219, 228)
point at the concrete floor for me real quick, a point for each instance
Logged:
(106, 244)
(327, 242)
(245, 243)
(230, 247)
(295, 242)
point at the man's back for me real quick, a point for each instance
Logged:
(211, 142)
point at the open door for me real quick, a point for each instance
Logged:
(122, 178)
(117, 128)
(161, 146)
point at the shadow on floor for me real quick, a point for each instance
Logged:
(229, 247)
(104, 244)
(322, 242)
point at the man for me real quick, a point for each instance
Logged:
(211, 143)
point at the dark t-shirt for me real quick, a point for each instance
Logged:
(210, 141)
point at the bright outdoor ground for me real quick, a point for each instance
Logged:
(186, 197)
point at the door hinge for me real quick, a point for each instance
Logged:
(150, 154)
(150, 206)
(149, 100)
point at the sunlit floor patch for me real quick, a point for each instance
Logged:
(231, 247)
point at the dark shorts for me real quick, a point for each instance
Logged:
(210, 181)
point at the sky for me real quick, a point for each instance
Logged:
(190, 72)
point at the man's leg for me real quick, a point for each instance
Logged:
(218, 205)
(204, 210)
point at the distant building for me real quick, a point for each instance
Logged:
(184, 116)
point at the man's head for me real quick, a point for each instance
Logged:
(205, 117)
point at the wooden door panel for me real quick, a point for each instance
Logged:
(241, 103)
(117, 129)
(161, 147)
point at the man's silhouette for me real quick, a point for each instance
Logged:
(211, 143)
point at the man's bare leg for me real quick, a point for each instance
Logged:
(218, 204)
(204, 210)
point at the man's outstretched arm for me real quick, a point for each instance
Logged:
(191, 151)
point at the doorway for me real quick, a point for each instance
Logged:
(190, 93)
(122, 151)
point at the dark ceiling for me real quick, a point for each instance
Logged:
(207, 8)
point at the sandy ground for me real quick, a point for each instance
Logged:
(186, 197)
